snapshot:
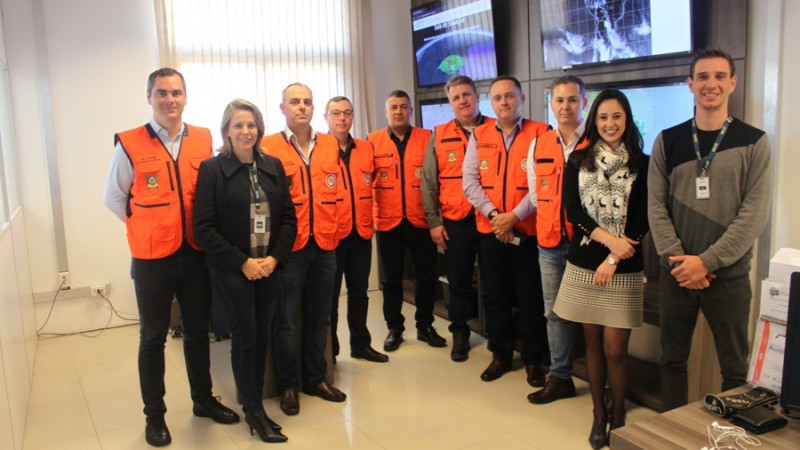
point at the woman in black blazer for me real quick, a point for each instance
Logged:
(245, 221)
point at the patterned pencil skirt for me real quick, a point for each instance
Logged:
(617, 305)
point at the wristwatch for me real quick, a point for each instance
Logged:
(493, 213)
(611, 260)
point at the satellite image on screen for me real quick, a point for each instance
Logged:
(454, 38)
(593, 31)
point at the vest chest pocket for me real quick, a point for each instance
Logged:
(154, 179)
(384, 171)
(548, 178)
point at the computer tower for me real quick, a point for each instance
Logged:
(790, 382)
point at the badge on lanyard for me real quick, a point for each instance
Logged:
(702, 188)
(259, 223)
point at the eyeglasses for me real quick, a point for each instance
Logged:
(337, 113)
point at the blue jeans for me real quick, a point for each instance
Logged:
(308, 277)
(250, 309)
(552, 262)
(392, 247)
(184, 276)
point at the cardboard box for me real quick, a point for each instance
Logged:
(785, 261)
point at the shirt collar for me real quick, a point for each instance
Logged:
(162, 132)
(288, 133)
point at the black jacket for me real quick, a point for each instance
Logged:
(222, 210)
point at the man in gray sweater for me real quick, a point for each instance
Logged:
(708, 200)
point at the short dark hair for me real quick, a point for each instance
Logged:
(399, 93)
(457, 80)
(567, 79)
(632, 138)
(338, 98)
(507, 78)
(163, 72)
(712, 53)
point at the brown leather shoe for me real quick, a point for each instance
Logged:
(496, 369)
(535, 374)
(326, 391)
(290, 404)
(554, 388)
(460, 351)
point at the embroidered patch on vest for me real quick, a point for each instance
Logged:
(384, 175)
(330, 180)
(152, 182)
(451, 157)
(367, 178)
(484, 165)
(524, 165)
(418, 173)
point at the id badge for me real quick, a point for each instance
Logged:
(259, 223)
(702, 188)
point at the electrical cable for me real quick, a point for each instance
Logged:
(52, 305)
(739, 436)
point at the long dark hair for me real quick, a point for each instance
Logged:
(632, 138)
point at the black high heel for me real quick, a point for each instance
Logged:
(599, 436)
(263, 426)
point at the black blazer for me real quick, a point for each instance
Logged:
(222, 210)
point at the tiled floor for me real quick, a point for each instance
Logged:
(86, 396)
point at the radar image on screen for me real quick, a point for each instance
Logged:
(456, 38)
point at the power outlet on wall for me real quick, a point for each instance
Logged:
(98, 290)
(64, 282)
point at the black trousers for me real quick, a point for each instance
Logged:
(460, 256)
(512, 272)
(353, 262)
(392, 246)
(182, 275)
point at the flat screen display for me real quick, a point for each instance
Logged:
(656, 107)
(438, 111)
(576, 32)
(453, 37)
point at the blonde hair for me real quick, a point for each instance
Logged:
(227, 115)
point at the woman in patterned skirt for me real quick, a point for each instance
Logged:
(605, 196)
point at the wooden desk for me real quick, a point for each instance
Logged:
(686, 428)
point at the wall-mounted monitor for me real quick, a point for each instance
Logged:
(578, 32)
(453, 37)
(438, 111)
(656, 104)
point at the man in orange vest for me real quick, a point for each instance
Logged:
(495, 182)
(150, 187)
(400, 221)
(448, 212)
(311, 162)
(547, 157)
(354, 253)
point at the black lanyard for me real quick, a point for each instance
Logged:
(717, 141)
(254, 183)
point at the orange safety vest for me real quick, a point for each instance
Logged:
(504, 174)
(396, 184)
(161, 199)
(314, 187)
(450, 147)
(548, 163)
(356, 191)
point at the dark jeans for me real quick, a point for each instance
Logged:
(182, 275)
(308, 277)
(462, 248)
(250, 308)
(511, 272)
(353, 261)
(726, 307)
(392, 246)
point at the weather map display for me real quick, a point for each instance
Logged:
(453, 37)
(578, 32)
(655, 108)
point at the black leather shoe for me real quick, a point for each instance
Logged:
(216, 411)
(264, 427)
(326, 391)
(290, 404)
(554, 388)
(535, 374)
(460, 351)
(156, 432)
(370, 354)
(598, 438)
(496, 369)
(393, 340)
(429, 335)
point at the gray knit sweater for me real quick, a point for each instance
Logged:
(720, 230)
